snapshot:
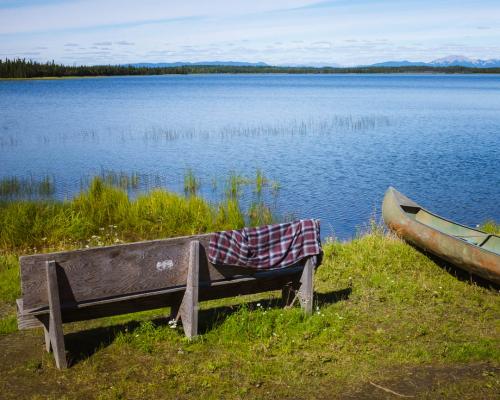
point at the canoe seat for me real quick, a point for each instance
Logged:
(491, 243)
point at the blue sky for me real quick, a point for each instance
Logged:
(277, 32)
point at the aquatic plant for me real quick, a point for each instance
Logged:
(121, 179)
(15, 187)
(191, 183)
(260, 181)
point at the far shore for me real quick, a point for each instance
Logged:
(249, 74)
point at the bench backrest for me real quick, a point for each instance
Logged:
(120, 270)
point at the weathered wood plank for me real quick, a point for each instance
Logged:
(189, 307)
(283, 275)
(45, 321)
(262, 282)
(25, 320)
(106, 272)
(306, 287)
(55, 320)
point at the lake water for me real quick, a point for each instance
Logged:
(333, 142)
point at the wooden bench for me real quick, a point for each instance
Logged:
(92, 283)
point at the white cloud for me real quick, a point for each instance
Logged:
(95, 13)
(276, 32)
(124, 43)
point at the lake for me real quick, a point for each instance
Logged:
(333, 142)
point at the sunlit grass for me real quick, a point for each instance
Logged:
(105, 214)
(9, 278)
(381, 307)
(491, 227)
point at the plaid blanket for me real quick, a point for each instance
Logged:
(266, 247)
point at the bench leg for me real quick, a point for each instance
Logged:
(306, 287)
(174, 311)
(45, 322)
(189, 307)
(55, 328)
(288, 295)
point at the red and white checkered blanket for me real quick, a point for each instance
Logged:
(266, 247)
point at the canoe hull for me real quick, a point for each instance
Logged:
(464, 255)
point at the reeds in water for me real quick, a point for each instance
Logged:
(105, 214)
(311, 127)
(15, 187)
(191, 183)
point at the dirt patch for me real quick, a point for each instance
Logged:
(434, 381)
(6, 310)
(19, 348)
(26, 370)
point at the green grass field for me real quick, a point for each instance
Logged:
(388, 322)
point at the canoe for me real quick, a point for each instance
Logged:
(467, 248)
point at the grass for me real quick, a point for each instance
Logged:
(382, 308)
(491, 227)
(9, 278)
(105, 214)
(384, 313)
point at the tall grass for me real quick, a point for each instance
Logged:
(105, 214)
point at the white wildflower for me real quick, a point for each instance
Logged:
(172, 323)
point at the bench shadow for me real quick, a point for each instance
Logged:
(81, 345)
(458, 273)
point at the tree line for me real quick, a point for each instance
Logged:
(22, 68)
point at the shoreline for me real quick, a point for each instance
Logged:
(426, 73)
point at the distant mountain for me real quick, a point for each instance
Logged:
(403, 63)
(211, 63)
(312, 65)
(462, 61)
(450, 61)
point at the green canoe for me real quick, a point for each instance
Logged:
(469, 249)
